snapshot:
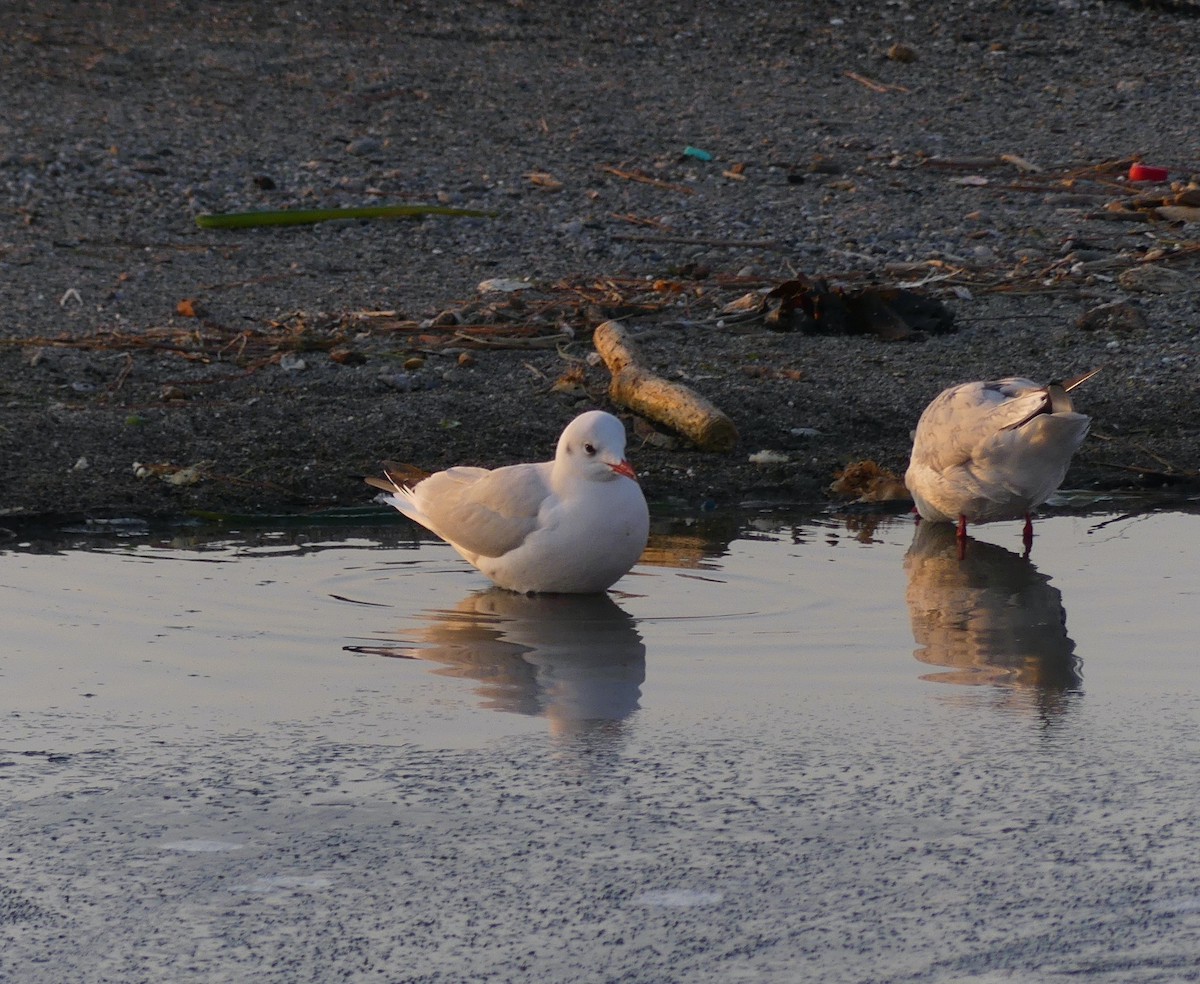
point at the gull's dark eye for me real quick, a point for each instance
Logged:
(589, 449)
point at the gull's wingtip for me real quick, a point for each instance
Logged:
(381, 483)
(1070, 384)
(397, 478)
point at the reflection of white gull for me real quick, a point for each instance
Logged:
(993, 450)
(575, 524)
(990, 617)
(577, 659)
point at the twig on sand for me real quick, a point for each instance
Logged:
(873, 85)
(308, 216)
(628, 237)
(646, 179)
(537, 342)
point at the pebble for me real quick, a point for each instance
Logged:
(768, 458)
(1153, 279)
(1116, 316)
(408, 382)
(362, 146)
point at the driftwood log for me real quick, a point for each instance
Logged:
(676, 406)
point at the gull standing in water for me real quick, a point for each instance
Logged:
(572, 525)
(994, 450)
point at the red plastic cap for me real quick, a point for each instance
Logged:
(1143, 172)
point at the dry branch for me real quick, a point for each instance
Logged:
(510, 342)
(673, 404)
(643, 178)
(874, 86)
(697, 241)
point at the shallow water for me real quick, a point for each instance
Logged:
(822, 749)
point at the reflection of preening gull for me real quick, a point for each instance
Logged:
(993, 450)
(577, 659)
(574, 524)
(990, 617)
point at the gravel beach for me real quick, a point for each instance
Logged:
(647, 163)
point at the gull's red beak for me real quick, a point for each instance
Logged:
(624, 468)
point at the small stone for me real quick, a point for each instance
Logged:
(1151, 279)
(405, 382)
(820, 164)
(502, 285)
(291, 362)
(447, 319)
(362, 146)
(768, 458)
(1116, 316)
(544, 180)
(345, 356)
(184, 476)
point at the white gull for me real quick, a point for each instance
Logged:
(572, 525)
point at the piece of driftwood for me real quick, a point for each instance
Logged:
(676, 406)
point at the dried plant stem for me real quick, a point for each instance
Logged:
(308, 216)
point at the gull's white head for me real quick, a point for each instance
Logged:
(593, 448)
